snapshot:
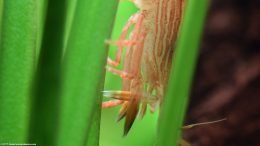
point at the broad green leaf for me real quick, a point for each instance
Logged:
(17, 62)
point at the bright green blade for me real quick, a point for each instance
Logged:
(84, 70)
(17, 62)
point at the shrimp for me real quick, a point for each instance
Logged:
(148, 57)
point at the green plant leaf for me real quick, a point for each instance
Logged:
(84, 70)
(47, 87)
(41, 7)
(17, 61)
(174, 104)
(1, 15)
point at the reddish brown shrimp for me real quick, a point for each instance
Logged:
(147, 62)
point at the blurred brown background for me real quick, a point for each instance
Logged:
(227, 79)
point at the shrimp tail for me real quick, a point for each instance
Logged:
(122, 112)
(131, 113)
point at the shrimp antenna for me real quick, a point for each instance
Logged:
(203, 123)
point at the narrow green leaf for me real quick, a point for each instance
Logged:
(41, 7)
(84, 70)
(45, 111)
(1, 15)
(175, 102)
(17, 58)
(71, 8)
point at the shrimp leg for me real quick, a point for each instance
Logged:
(121, 73)
(111, 103)
(122, 41)
(119, 98)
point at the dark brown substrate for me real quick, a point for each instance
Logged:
(227, 78)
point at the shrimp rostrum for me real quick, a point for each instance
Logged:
(147, 60)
